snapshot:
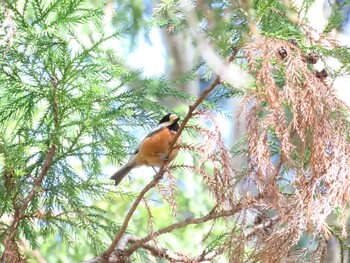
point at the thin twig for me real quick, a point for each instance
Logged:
(39, 179)
(199, 100)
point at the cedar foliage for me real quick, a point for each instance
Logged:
(64, 101)
(64, 109)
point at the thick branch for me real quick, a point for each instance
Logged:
(160, 252)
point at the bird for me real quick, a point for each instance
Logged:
(153, 149)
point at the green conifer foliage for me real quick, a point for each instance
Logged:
(64, 107)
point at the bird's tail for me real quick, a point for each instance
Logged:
(121, 173)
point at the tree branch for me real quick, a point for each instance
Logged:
(182, 224)
(122, 229)
(171, 256)
(160, 252)
(36, 253)
(200, 99)
(39, 179)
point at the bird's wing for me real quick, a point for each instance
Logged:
(155, 130)
(152, 132)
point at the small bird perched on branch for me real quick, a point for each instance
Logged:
(154, 147)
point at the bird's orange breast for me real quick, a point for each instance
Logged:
(153, 149)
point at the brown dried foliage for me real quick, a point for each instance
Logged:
(214, 161)
(298, 147)
(168, 191)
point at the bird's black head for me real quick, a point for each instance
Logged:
(171, 121)
(170, 117)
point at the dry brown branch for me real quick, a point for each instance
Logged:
(222, 182)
